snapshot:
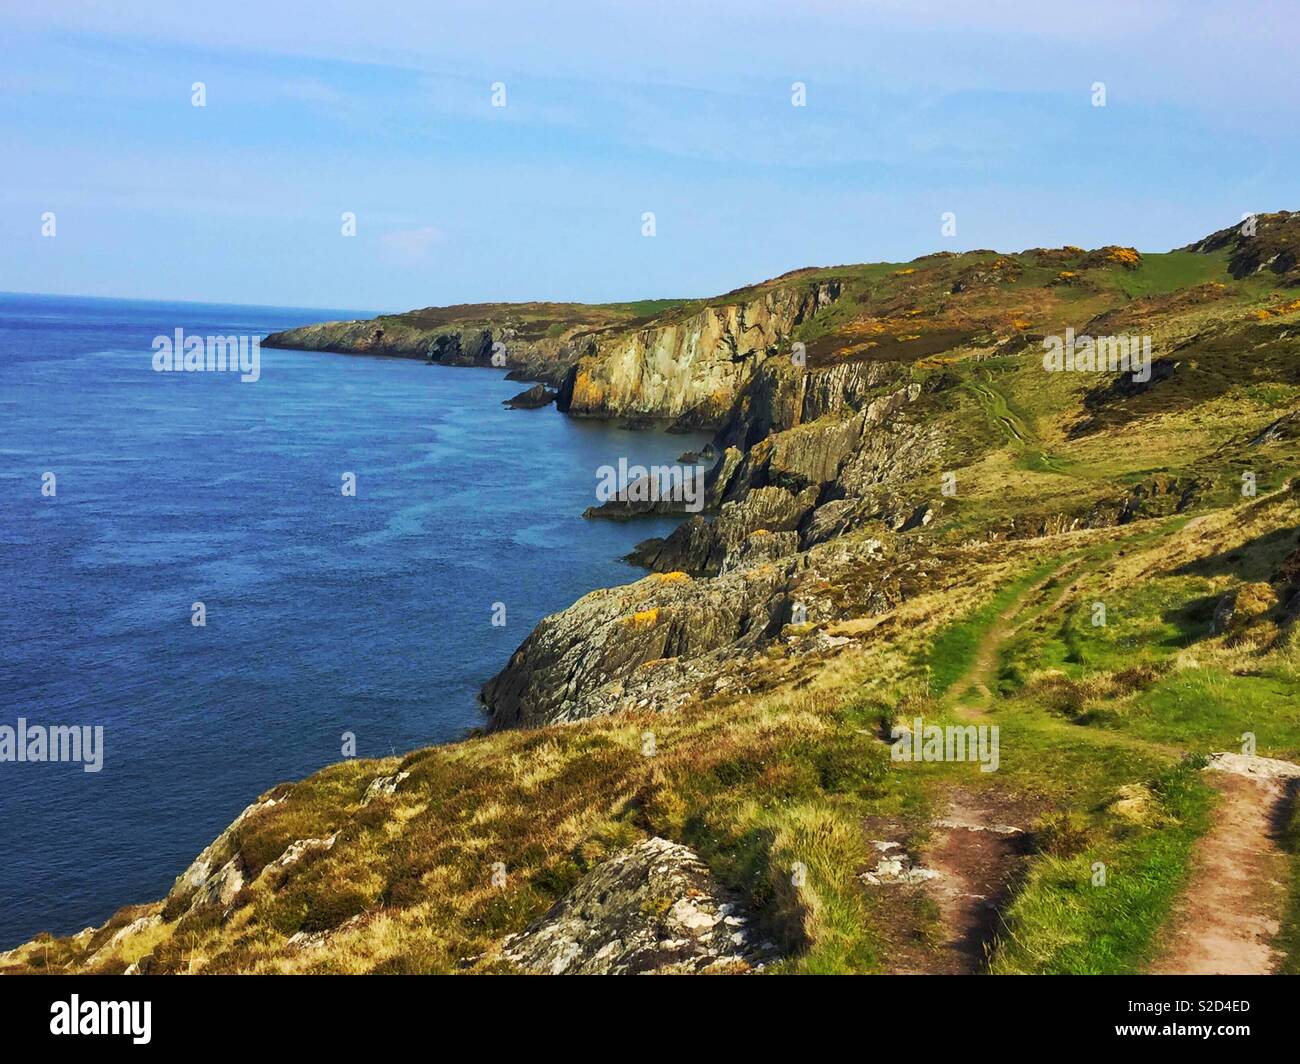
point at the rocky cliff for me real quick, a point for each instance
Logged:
(690, 368)
(546, 359)
(535, 341)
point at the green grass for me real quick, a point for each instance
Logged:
(1159, 273)
(954, 649)
(1209, 709)
(1062, 922)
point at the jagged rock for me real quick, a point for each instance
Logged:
(1287, 427)
(594, 657)
(667, 638)
(200, 873)
(460, 336)
(690, 370)
(652, 909)
(683, 491)
(221, 887)
(783, 479)
(382, 786)
(532, 398)
(1272, 246)
(895, 868)
(918, 518)
(704, 454)
(135, 927)
(701, 546)
(295, 851)
(760, 546)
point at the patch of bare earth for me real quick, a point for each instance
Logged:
(1231, 910)
(945, 907)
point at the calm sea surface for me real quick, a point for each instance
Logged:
(325, 614)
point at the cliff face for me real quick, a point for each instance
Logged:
(691, 370)
(545, 358)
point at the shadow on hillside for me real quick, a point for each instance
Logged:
(1256, 559)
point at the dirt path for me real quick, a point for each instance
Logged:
(1232, 907)
(976, 856)
(945, 904)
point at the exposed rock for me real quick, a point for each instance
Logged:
(652, 909)
(313, 940)
(1262, 768)
(1287, 427)
(781, 482)
(895, 868)
(1274, 245)
(700, 545)
(987, 274)
(593, 657)
(533, 341)
(672, 491)
(295, 851)
(221, 887)
(200, 877)
(382, 786)
(960, 822)
(669, 638)
(532, 398)
(704, 454)
(691, 369)
(135, 927)
(760, 546)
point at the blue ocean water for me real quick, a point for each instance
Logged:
(325, 613)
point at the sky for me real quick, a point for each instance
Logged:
(385, 110)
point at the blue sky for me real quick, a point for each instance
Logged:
(384, 109)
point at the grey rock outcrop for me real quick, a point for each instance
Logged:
(668, 638)
(533, 398)
(215, 876)
(784, 480)
(652, 909)
(608, 649)
(690, 370)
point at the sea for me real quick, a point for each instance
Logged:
(346, 528)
